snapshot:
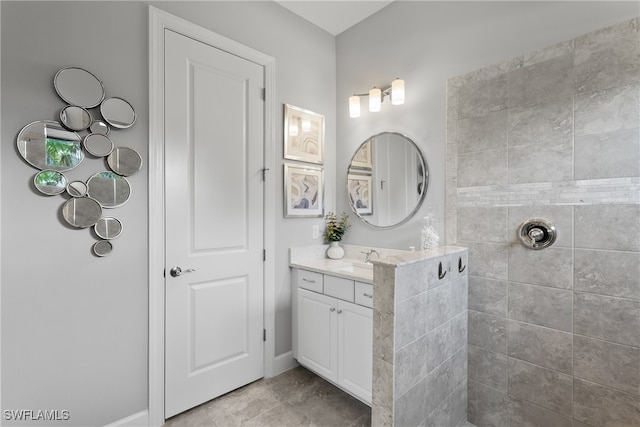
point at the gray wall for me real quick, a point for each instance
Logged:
(553, 334)
(74, 327)
(426, 43)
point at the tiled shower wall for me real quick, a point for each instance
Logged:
(554, 334)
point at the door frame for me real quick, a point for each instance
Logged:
(158, 22)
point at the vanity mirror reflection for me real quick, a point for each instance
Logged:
(387, 180)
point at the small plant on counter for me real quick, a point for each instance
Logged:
(336, 228)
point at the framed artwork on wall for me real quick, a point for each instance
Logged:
(303, 191)
(363, 158)
(360, 193)
(303, 135)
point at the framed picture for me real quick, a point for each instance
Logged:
(303, 191)
(303, 135)
(363, 158)
(360, 193)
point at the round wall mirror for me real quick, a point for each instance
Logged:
(387, 180)
(77, 86)
(102, 248)
(108, 188)
(124, 161)
(98, 126)
(81, 212)
(75, 118)
(108, 228)
(47, 145)
(50, 182)
(77, 189)
(118, 113)
(98, 145)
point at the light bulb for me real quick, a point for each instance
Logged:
(354, 106)
(397, 92)
(375, 99)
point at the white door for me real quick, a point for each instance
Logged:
(355, 349)
(317, 333)
(214, 150)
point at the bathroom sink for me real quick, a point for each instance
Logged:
(360, 268)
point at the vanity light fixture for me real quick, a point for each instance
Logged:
(376, 96)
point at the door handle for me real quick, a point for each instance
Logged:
(177, 271)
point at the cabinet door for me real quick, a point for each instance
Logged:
(355, 349)
(317, 333)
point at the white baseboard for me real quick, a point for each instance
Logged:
(283, 362)
(139, 419)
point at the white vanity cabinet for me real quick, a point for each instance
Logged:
(334, 335)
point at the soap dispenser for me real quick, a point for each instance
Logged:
(429, 238)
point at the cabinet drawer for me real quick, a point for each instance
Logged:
(338, 287)
(310, 280)
(364, 294)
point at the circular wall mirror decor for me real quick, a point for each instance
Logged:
(98, 145)
(118, 113)
(47, 145)
(81, 212)
(124, 161)
(102, 248)
(387, 180)
(77, 189)
(98, 126)
(77, 86)
(108, 228)
(75, 118)
(50, 182)
(108, 188)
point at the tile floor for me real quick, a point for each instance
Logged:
(295, 398)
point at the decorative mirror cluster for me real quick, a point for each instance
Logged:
(56, 147)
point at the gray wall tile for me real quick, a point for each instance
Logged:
(438, 387)
(607, 155)
(541, 346)
(549, 389)
(615, 227)
(545, 81)
(487, 260)
(438, 346)
(608, 318)
(607, 273)
(480, 224)
(488, 332)
(607, 64)
(441, 416)
(488, 368)
(526, 414)
(410, 365)
(601, 406)
(459, 328)
(482, 97)
(438, 306)
(551, 267)
(482, 168)
(607, 110)
(459, 294)
(411, 320)
(488, 296)
(459, 405)
(409, 409)
(482, 133)
(541, 306)
(561, 217)
(609, 364)
(487, 407)
(543, 122)
(412, 280)
(541, 162)
(459, 365)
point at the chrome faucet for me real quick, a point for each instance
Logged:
(367, 255)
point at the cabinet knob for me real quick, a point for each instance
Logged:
(339, 311)
(367, 295)
(332, 309)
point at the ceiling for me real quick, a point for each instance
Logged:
(333, 16)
